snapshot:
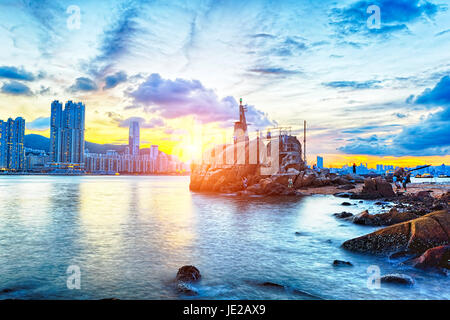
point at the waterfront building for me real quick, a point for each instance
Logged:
(134, 138)
(67, 134)
(12, 154)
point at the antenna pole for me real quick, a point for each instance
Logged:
(304, 141)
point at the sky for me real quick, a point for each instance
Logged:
(372, 87)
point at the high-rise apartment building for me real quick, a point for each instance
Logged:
(134, 138)
(67, 133)
(12, 134)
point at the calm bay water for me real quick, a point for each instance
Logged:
(129, 236)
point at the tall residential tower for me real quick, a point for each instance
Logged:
(12, 133)
(134, 138)
(67, 133)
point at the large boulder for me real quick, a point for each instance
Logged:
(415, 236)
(375, 188)
(188, 274)
(434, 258)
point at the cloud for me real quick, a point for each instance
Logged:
(117, 37)
(16, 88)
(144, 124)
(39, 124)
(180, 98)
(113, 80)
(395, 15)
(431, 136)
(274, 71)
(439, 95)
(83, 84)
(356, 85)
(15, 73)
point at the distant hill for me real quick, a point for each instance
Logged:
(35, 141)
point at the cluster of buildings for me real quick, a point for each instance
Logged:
(67, 152)
(12, 133)
(381, 169)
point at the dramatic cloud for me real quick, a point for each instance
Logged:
(39, 124)
(117, 37)
(83, 84)
(357, 85)
(113, 80)
(439, 95)
(144, 124)
(428, 137)
(179, 98)
(395, 15)
(16, 88)
(15, 73)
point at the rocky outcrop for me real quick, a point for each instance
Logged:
(434, 258)
(375, 188)
(384, 219)
(229, 179)
(414, 236)
(421, 203)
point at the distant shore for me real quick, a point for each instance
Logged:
(90, 174)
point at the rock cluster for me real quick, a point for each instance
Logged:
(205, 178)
(415, 236)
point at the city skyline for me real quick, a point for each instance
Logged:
(379, 96)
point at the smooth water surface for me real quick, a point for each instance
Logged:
(129, 235)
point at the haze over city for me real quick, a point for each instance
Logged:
(371, 95)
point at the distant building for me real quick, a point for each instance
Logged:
(319, 162)
(12, 155)
(67, 134)
(154, 152)
(134, 138)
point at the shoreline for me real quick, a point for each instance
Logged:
(412, 188)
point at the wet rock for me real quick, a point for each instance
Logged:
(434, 258)
(365, 218)
(415, 236)
(341, 263)
(6, 290)
(186, 289)
(188, 274)
(343, 194)
(346, 204)
(397, 278)
(271, 284)
(343, 215)
(399, 254)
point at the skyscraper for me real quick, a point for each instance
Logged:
(134, 139)
(67, 133)
(56, 132)
(319, 162)
(12, 133)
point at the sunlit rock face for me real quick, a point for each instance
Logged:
(415, 236)
(276, 174)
